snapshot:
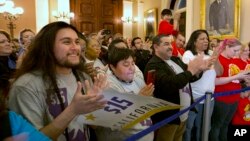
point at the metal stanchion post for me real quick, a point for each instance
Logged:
(206, 117)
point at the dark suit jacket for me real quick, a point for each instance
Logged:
(141, 58)
(167, 84)
(219, 14)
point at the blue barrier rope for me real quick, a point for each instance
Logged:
(169, 119)
(231, 92)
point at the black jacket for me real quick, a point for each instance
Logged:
(5, 73)
(167, 84)
(141, 58)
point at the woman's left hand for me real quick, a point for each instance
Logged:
(147, 90)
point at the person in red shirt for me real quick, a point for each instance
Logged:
(225, 106)
(242, 115)
(165, 27)
(241, 119)
(178, 45)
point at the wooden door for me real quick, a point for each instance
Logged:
(94, 15)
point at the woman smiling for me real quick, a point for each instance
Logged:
(121, 78)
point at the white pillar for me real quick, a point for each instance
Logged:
(42, 13)
(140, 24)
(189, 18)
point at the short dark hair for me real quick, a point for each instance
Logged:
(118, 54)
(112, 45)
(133, 41)
(166, 12)
(157, 38)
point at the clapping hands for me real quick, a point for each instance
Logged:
(92, 100)
(147, 90)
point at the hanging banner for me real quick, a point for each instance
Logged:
(124, 110)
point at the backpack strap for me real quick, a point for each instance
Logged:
(80, 77)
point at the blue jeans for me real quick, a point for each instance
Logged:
(222, 116)
(194, 123)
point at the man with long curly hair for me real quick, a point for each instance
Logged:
(50, 91)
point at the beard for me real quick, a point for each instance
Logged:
(67, 63)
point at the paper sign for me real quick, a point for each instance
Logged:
(124, 110)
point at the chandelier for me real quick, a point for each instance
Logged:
(10, 13)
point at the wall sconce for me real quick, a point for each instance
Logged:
(129, 19)
(10, 13)
(63, 15)
(150, 19)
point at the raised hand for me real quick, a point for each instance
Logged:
(147, 90)
(194, 66)
(100, 83)
(102, 70)
(218, 50)
(89, 68)
(177, 16)
(100, 35)
(209, 62)
(93, 100)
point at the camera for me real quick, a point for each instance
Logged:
(106, 32)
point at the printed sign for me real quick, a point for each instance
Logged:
(124, 110)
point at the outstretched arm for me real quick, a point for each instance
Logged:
(225, 80)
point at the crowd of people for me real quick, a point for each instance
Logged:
(50, 79)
